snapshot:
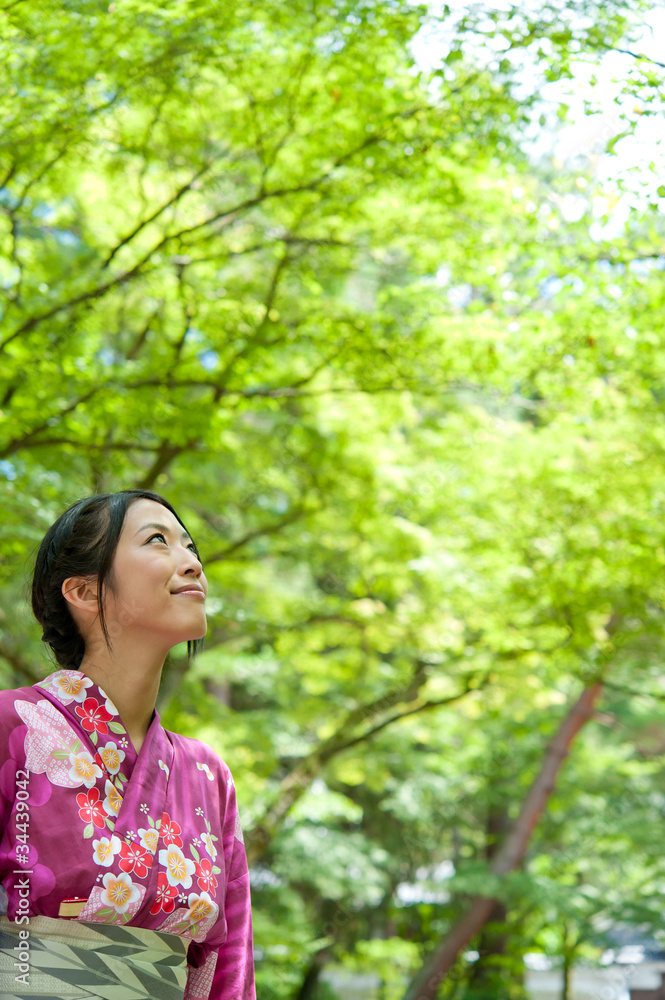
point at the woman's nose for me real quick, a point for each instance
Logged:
(191, 562)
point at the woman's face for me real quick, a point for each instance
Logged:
(158, 584)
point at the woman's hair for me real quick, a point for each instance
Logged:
(82, 542)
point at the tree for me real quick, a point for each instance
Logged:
(264, 264)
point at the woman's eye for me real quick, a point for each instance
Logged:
(157, 536)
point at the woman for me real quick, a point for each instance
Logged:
(111, 827)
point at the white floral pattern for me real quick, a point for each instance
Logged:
(113, 799)
(200, 905)
(179, 869)
(108, 705)
(67, 686)
(83, 770)
(207, 839)
(119, 892)
(105, 850)
(99, 908)
(112, 756)
(149, 838)
(194, 922)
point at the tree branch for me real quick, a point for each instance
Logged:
(296, 783)
(256, 336)
(422, 707)
(165, 455)
(25, 442)
(228, 214)
(158, 211)
(659, 696)
(634, 55)
(90, 445)
(268, 529)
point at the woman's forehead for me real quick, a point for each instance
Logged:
(146, 511)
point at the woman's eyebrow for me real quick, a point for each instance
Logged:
(162, 527)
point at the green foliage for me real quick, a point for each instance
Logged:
(254, 257)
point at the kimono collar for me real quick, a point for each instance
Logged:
(93, 712)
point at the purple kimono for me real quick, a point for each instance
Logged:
(152, 840)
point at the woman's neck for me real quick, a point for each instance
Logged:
(132, 684)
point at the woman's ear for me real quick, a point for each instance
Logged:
(81, 593)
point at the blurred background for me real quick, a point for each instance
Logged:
(373, 293)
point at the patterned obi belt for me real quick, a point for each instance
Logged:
(68, 960)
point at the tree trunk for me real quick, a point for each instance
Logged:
(311, 980)
(425, 984)
(570, 944)
(491, 946)
(567, 969)
(494, 935)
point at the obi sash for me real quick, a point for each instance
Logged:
(70, 960)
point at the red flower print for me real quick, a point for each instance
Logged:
(165, 895)
(205, 877)
(170, 831)
(134, 858)
(91, 810)
(93, 716)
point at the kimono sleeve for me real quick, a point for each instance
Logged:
(13, 777)
(233, 977)
(12, 756)
(234, 971)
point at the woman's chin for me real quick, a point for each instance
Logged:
(200, 633)
(191, 635)
(195, 629)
